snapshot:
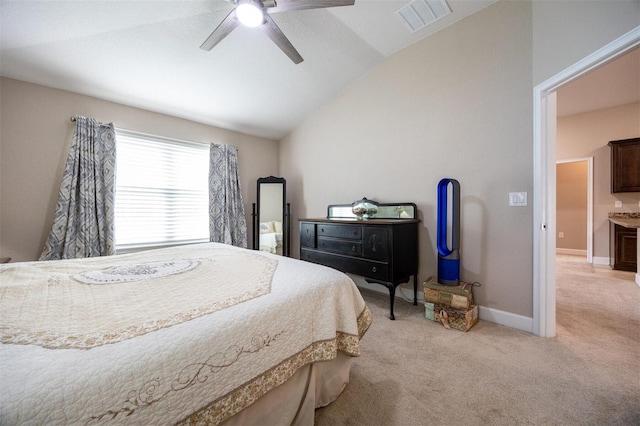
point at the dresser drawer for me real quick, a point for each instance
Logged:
(375, 241)
(362, 267)
(340, 231)
(348, 247)
(307, 234)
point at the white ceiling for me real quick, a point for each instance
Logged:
(146, 54)
(615, 83)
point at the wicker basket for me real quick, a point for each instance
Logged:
(457, 319)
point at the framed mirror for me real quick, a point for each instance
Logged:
(271, 215)
(376, 210)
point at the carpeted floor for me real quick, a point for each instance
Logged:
(415, 372)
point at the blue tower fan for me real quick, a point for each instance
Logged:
(448, 257)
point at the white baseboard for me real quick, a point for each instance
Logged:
(405, 292)
(507, 319)
(638, 278)
(575, 252)
(600, 260)
(595, 260)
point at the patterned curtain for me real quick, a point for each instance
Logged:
(227, 223)
(84, 220)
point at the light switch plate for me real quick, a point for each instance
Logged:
(517, 199)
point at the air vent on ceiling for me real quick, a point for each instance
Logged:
(420, 13)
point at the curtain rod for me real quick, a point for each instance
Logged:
(73, 119)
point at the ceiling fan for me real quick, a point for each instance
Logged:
(255, 13)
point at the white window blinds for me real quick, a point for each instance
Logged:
(161, 191)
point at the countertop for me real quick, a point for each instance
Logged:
(626, 219)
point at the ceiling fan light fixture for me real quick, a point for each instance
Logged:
(249, 13)
(256, 12)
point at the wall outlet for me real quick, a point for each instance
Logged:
(560, 234)
(617, 204)
(517, 199)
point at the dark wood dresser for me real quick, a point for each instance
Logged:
(383, 251)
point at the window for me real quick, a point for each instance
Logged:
(161, 191)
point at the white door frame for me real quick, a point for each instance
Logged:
(589, 229)
(544, 178)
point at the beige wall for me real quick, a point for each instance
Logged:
(444, 107)
(458, 104)
(34, 137)
(587, 135)
(571, 205)
(566, 31)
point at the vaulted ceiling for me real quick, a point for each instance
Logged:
(147, 54)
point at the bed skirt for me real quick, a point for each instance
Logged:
(294, 402)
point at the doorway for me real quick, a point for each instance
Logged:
(544, 162)
(574, 207)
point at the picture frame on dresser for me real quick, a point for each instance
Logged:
(380, 245)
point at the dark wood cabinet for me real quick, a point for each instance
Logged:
(624, 248)
(383, 251)
(625, 165)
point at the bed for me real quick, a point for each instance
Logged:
(199, 334)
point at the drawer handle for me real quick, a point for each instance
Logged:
(355, 233)
(374, 269)
(373, 242)
(353, 248)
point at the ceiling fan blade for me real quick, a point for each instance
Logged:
(275, 33)
(227, 25)
(287, 5)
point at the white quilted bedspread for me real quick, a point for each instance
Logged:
(88, 348)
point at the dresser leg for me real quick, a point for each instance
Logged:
(415, 290)
(392, 296)
(392, 292)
